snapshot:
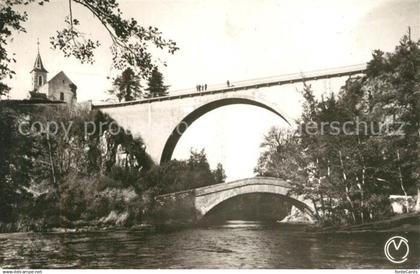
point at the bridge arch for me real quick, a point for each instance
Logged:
(207, 198)
(188, 120)
(196, 203)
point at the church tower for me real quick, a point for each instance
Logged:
(38, 73)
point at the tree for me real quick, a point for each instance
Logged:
(199, 169)
(219, 174)
(349, 170)
(15, 165)
(131, 42)
(338, 172)
(177, 175)
(280, 152)
(10, 20)
(395, 84)
(156, 87)
(127, 86)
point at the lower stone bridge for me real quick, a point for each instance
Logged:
(193, 204)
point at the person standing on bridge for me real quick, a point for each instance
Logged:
(205, 86)
(228, 83)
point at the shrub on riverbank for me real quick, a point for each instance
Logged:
(58, 178)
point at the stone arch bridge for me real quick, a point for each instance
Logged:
(161, 121)
(200, 201)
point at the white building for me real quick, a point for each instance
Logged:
(59, 88)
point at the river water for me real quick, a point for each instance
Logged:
(234, 244)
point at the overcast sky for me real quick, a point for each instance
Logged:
(222, 40)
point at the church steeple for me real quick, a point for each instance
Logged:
(38, 64)
(39, 73)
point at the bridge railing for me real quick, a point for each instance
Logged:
(307, 75)
(251, 83)
(228, 185)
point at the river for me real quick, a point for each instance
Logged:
(234, 244)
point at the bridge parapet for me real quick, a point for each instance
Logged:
(240, 183)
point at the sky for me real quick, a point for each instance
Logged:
(221, 40)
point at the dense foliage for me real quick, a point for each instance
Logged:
(354, 148)
(49, 168)
(63, 167)
(177, 175)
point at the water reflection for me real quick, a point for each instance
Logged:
(242, 224)
(234, 244)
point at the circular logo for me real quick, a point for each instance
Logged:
(396, 249)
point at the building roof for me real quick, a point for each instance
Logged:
(61, 75)
(38, 65)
